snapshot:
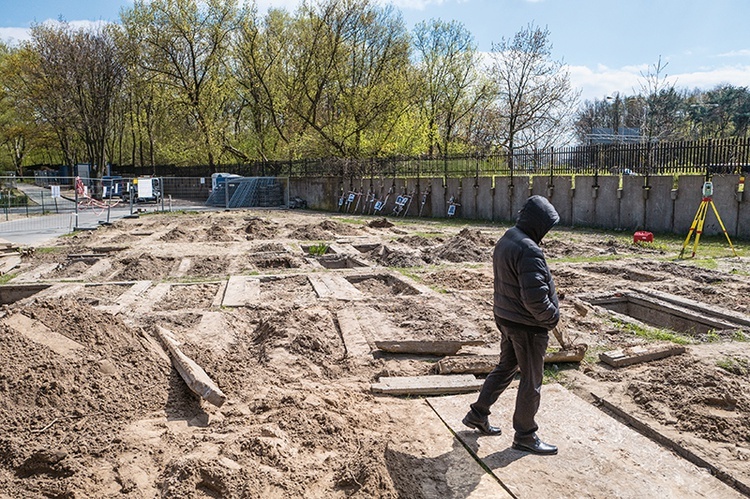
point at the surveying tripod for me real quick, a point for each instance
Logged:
(700, 219)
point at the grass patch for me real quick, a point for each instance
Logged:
(47, 250)
(6, 278)
(318, 249)
(587, 259)
(734, 365)
(552, 374)
(652, 333)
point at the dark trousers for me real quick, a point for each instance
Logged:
(520, 350)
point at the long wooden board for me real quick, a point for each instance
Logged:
(334, 286)
(351, 331)
(438, 464)
(193, 374)
(598, 456)
(427, 385)
(241, 291)
(425, 347)
(40, 333)
(635, 355)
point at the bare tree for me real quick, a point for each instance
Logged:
(662, 102)
(534, 93)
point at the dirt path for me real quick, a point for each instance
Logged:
(113, 418)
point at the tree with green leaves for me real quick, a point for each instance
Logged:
(185, 45)
(452, 86)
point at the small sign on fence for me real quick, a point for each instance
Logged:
(54, 191)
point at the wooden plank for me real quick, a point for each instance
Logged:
(241, 291)
(183, 267)
(334, 286)
(193, 374)
(483, 364)
(126, 299)
(155, 295)
(635, 355)
(37, 332)
(426, 385)
(352, 333)
(425, 347)
(8, 263)
(626, 463)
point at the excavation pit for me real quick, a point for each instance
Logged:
(16, 292)
(382, 285)
(671, 312)
(340, 262)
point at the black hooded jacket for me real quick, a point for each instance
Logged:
(524, 290)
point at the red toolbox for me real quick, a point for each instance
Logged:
(643, 236)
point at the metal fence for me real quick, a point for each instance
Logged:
(645, 158)
(50, 201)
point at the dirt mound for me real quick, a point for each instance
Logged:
(68, 410)
(695, 398)
(470, 245)
(327, 229)
(459, 279)
(178, 234)
(380, 223)
(144, 267)
(258, 228)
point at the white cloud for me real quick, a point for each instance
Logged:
(734, 75)
(14, 35)
(736, 53)
(602, 81)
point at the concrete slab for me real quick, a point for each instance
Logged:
(241, 291)
(40, 333)
(427, 385)
(352, 333)
(598, 456)
(334, 286)
(126, 299)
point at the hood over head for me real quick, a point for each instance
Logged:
(537, 217)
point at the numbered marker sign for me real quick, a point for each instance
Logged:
(451, 210)
(350, 198)
(378, 206)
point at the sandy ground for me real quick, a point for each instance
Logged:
(91, 407)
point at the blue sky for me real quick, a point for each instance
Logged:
(606, 44)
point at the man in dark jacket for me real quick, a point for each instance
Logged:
(526, 308)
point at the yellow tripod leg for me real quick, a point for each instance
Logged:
(716, 212)
(692, 229)
(703, 209)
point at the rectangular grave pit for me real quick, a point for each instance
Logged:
(670, 312)
(382, 284)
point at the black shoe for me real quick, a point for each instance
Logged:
(535, 446)
(481, 424)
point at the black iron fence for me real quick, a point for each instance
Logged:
(724, 156)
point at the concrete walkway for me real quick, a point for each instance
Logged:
(598, 456)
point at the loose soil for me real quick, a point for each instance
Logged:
(112, 417)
